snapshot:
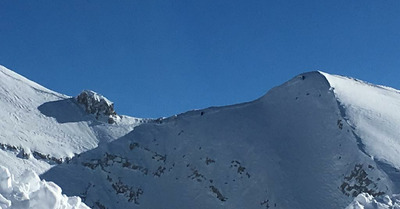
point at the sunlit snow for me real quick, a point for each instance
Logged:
(316, 141)
(28, 191)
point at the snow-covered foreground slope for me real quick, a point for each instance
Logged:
(40, 127)
(293, 148)
(28, 191)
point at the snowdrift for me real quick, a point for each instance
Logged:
(28, 191)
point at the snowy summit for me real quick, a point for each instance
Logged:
(316, 141)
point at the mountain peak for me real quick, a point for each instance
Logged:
(293, 143)
(313, 77)
(316, 141)
(308, 84)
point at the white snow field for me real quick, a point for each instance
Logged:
(316, 141)
(28, 191)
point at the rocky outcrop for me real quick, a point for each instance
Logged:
(98, 105)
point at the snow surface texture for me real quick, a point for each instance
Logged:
(366, 201)
(373, 112)
(28, 191)
(292, 148)
(41, 128)
(316, 141)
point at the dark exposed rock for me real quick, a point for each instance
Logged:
(240, 169)
(218, 193)
(99, 205)
(97, 105)
(209, 161)
(26, 154)
(358, 182)
(160, 170)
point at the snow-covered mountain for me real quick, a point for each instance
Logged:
(42, 127)
(316, 141)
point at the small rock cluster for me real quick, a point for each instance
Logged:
(97, 105)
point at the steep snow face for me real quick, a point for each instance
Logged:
(40, 124)
(373, 112)
(289, 149)
(28, 191)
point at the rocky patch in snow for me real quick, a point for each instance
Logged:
(358, 182)
(28, 191)
(26, 154)
(98, 105)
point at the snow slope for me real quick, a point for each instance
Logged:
(295, 147)
(372, 111)
(40, 127)
(316, 141)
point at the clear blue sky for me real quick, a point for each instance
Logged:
(159, 58)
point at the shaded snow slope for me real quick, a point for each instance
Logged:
(28, 191)
(38, 123)
(289, 149)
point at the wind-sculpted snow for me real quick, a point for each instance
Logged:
(366, 201)
(29, 192)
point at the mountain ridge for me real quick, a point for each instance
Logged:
(313, 147)
(304, 144)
